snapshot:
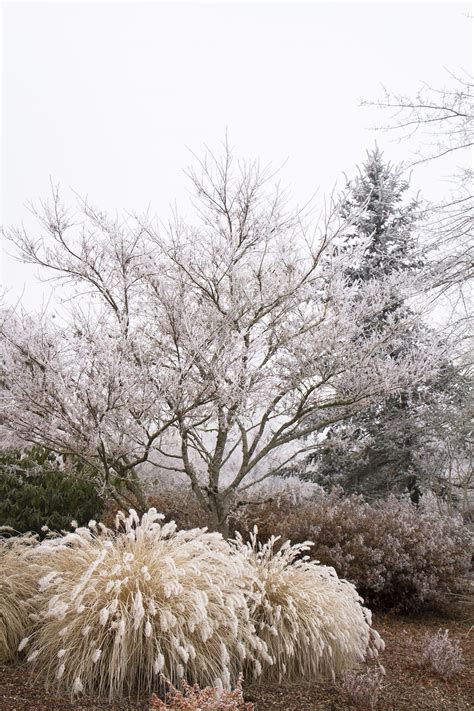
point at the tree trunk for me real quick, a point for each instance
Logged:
(131, 495)
(134, 486)
(120, 498)
(218, 514)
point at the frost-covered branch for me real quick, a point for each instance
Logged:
(214, 347)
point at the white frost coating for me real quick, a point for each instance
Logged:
(77, 686)
(249, 302)
(46, 581)
(311, 621)
(187, 608)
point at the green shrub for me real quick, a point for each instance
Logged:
(36, 490)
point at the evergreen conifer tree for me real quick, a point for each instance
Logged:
(377, 451)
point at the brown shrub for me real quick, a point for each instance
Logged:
(398, 555)
(441, 655)
(193, 698)
(179, 505)
(362, 689)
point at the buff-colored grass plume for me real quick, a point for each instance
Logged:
(120, 608)
(313, 623)
(111, 613)
(18, 583)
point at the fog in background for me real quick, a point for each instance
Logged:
(108, 98)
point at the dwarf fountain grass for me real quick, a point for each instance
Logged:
(119, 608)
(313, 623)
(115, 611)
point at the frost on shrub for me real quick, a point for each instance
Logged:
(362, 689)
(290, 489)
(18, 580)
(179, 503)
(35, 490)
(441, 654)
(119, 609)
(312, 622)
(193, 698)
(397, 555)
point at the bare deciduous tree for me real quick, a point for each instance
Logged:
(440, 121)
(211, 349)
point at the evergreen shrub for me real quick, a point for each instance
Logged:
(36, 491)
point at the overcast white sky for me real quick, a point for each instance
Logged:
(105, 97)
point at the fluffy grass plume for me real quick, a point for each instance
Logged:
(313, 623)
(121, 608)
(18, 582)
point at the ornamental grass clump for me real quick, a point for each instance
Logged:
(18, 582)
(313, 623)
(120, 608)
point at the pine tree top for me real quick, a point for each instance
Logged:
(383, 218)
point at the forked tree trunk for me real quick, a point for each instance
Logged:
(134, 486)
(132, 497)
